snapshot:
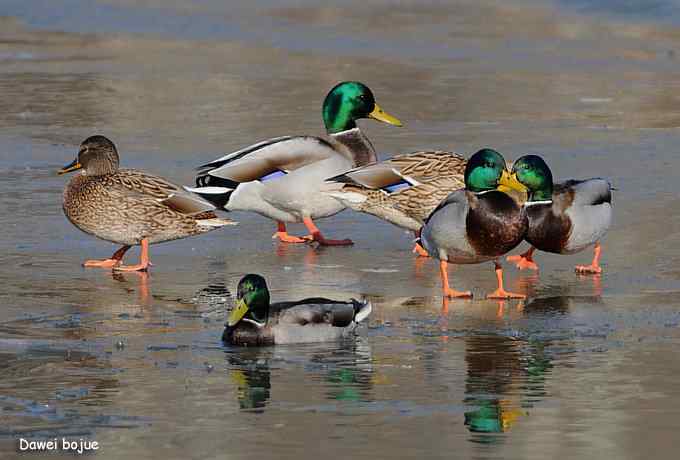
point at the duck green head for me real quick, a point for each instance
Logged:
(97, 156)
(252, 300)
(534, 173)
(349, 101)
(486, 170)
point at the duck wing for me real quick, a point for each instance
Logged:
(588, 192)
(315, 311)
(403, 171)
(264, 160)
(139, 185)
(457, 199)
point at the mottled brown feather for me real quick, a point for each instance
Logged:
(438, 173)
(128, 206)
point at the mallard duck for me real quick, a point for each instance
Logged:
(478, 223)
(254, 321)
(403, 190)
(564, 218)
(130, 207)
(281, 178)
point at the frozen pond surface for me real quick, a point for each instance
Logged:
(586, 367)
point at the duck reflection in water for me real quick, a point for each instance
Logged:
(505, 377)
(346, 368)
(350, 375)
(142, 286)
(251, 374)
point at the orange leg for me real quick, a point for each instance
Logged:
(318, 237)
(143, 264)
(115, 259)
(282, 234)
(525, 260)
(594, 266)
(446, 290)
(418, 249)
(501, 293)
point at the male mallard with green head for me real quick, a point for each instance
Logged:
(256, 321)
(130, 207)
(282, 178)
(479, 223)
(403, 190)
(564, 218)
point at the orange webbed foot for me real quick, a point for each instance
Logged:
(105, 263)
(453, 294)
(132, 268)
(594, 267)
(420, 251)
(144, 262)
(111, 262)
(524, 260)
(319, 238)
(501, 293)
(284, 237)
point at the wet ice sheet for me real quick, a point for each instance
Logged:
(136, 362)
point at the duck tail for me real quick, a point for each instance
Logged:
(213, 223)
(217, 195)
(347, 197)
(363, 311)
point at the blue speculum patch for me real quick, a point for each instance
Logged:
(272, 175)
(401, 185)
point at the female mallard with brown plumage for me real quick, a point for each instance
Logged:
(564, 218)
(479, 223)
(255, 321)
(130, 207)
(403, 190)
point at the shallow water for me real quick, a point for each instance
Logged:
(585, 367)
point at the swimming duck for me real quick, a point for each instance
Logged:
(564, 218)
(478, 223)
(403, 190)
(281, 178)
(130, 207)
(254, 321)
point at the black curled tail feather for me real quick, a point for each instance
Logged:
(202, 181)
(206, 180)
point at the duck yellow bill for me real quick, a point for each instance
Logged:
(73, 166)
(237, 313)
(380, 115)
(509, 182)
